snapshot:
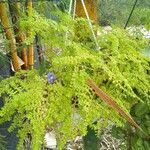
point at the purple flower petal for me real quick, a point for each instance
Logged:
(51, 77)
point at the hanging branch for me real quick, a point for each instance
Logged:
(9, 35)
(15, 9)
(30, 47)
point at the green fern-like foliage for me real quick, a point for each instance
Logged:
(2, 143)
(24, 95)
(69, 105)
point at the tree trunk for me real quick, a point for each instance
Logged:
(91, 6)
(9, 34)
(15, 9)
(30, 47)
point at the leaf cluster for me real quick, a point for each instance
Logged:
(69, 105)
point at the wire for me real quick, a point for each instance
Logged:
(130, 14)
(90, 24)
(70, 6)
(74, 9)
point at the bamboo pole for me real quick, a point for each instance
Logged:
(15, 9)
(91, 6)
(4, 17)
(30, 47)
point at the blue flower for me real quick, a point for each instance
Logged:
(51, 77)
